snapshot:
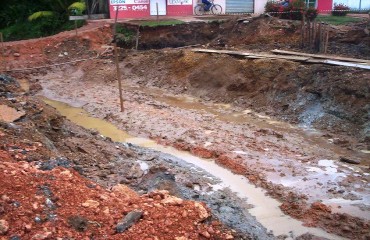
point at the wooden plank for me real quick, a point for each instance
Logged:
(347, 64)
(321, 56)
(252, 55)
(292, 58)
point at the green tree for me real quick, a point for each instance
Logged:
(59, 7)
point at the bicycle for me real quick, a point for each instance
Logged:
(215, 8)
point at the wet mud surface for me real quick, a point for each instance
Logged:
(288, 161)
(61, 180)
(281, 125)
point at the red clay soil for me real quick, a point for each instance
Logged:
(54, 204)
(62, 47)
(320, 215)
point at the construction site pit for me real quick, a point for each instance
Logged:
(220, 137)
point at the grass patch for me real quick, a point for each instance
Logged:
(337, 20)
(160, 23)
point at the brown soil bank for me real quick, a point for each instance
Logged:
(262, 33)
(325, 97)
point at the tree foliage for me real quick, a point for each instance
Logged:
(40, 17)
(40, 14)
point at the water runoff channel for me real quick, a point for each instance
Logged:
(265, 209)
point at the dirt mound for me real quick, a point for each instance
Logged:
(59, 48)
(333, 98)
(59, 203)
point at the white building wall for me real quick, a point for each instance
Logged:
(222, 3)
(355, 4)
(259, 6)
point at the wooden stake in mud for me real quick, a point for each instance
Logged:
(309, 33)
(318, 38)
(3, 62)
(76, 27)
(116, 60)
(302, 30)
(322, 39)
(326, 40)
(314, 34)
(137, 37)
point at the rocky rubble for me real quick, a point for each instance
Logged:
(60, 204)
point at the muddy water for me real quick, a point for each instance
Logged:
(82, 118)
(266, 209)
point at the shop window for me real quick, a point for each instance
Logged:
(311, 3)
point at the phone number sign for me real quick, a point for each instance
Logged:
(124, 2)
(131, 8)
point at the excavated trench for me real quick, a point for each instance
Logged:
(243, 196)
(89, 84)
(276, 124)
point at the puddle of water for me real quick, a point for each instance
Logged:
(240, 152)
(340, 205)
(80, 117)
(266, 209)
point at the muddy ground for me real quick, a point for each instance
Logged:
(282, 124)
(43, 157)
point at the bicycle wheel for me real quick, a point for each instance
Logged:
(216, 9)
(199, 10)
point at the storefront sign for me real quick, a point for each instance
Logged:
(131, 8)
(179, 2)
(124, 2)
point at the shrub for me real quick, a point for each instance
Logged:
(124, 36)
(273, 8)
(294, 11)
(340, 10)
(311, 13)
(77, 8)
